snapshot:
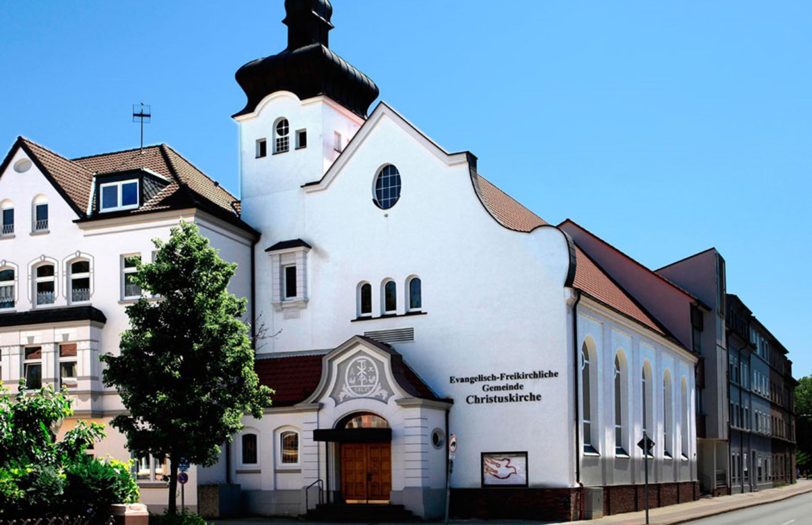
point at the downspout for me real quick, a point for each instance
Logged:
(252, 308)
(575, 356)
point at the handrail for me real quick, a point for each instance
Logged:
(320, 484)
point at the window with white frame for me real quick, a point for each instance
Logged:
(79, 281)
(281, 136)
(301, 138)
(289, 277)
(364, 300)
(262, 148)
(684, 413)
(67, 365)
(249, 451)
(32, 367)
(129, 267)
(587, 401)
(619, 383)
(289, 447)
(8, 288)
(390, 297)
(7, 218)
(39, 220)
(415, 294)
(44, 284)
(150, 468)
(338, 142)
(119, 195)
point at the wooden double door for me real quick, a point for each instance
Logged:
(366, 472)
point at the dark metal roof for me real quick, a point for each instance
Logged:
(307, 67)
(53, 315)
(284, 245)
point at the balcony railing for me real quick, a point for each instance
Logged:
(41, 225)
(132, 290)
(78, 295)
(6, 302)
(45, 298)
(8, 229)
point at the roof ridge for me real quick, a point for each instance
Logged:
(114, 152)
(632, 259)
(213, 181)
(685, 258)
(52, 152)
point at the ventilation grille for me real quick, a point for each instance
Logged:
(400, 335)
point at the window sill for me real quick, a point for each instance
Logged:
(246, 470)
(285, 469)
(129, 300)
(387, 316)
(7, 236)
(41, 232)
(279, 152)
(291, 303)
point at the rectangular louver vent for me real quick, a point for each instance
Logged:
(400, 335)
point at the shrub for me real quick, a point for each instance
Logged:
(109, 481)
(184, 517)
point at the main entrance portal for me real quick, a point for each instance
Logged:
(366, 472)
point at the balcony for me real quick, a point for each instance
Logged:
(41, 225)
(8, 229)
(80, 295)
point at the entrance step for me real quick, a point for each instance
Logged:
(369, 513)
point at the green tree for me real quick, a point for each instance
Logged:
(186, 368)
(803, 413)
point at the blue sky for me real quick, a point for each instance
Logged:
(665, 128)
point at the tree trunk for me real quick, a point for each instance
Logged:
(173, 484)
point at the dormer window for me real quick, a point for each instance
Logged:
(121, 195)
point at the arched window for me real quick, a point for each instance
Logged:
(390, 297)
(387, 187)
(40, 214)
(647, 400)
(248, 449)
(44, 284)
(684, 411)
(363, 420)
(364, 299)
(79, 280)
(668, 435)
(620, 412)
(7, 218)
(8, 288)
(587, 397)
(289, 447)
(415, 296)
(281, 134)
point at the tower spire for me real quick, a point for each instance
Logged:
(308, 22)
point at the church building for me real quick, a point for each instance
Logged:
(400, 298)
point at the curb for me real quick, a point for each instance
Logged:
(748, 506)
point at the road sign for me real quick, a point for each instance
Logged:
(452, 443)
(183, 478)
(183, 465)
(646, 444)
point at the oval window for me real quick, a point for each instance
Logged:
(387, 187)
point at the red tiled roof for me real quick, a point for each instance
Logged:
(504, 208)
(72, 179)
(293, 378)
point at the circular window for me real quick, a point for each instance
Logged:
(22, 165)
(387, 187)
(437, 438)
(282, 127)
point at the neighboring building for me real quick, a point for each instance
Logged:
(403, 297)
(72, 232)
(762, 418)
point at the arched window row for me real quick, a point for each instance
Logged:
(665, 408)
(413, 297)
(44, 278)
(287, 448)
(39, 216)
(281, 139)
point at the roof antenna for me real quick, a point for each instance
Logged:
(143, 113)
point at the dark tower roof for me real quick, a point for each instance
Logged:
(307, 67)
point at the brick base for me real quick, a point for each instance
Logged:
(563, 504)
(630, 498)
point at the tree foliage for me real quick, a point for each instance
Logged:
(40, 476)
(185, 372)
(803, 412)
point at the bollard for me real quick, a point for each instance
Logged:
(130, 514)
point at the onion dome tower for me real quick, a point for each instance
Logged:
(307, 67)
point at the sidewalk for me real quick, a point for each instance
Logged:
(704, 507)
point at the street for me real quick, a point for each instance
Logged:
(792, 511)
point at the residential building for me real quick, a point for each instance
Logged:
(73, 232)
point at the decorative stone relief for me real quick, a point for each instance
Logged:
(361, 377)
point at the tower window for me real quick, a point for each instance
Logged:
(262, 148)
(290, 281)
(390, 300)
(281, 136)
(338, 142)
(387, 187)
(364, 300)
(415, 299)
(301, 139)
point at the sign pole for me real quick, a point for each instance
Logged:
(645, 453)
(183, 498)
